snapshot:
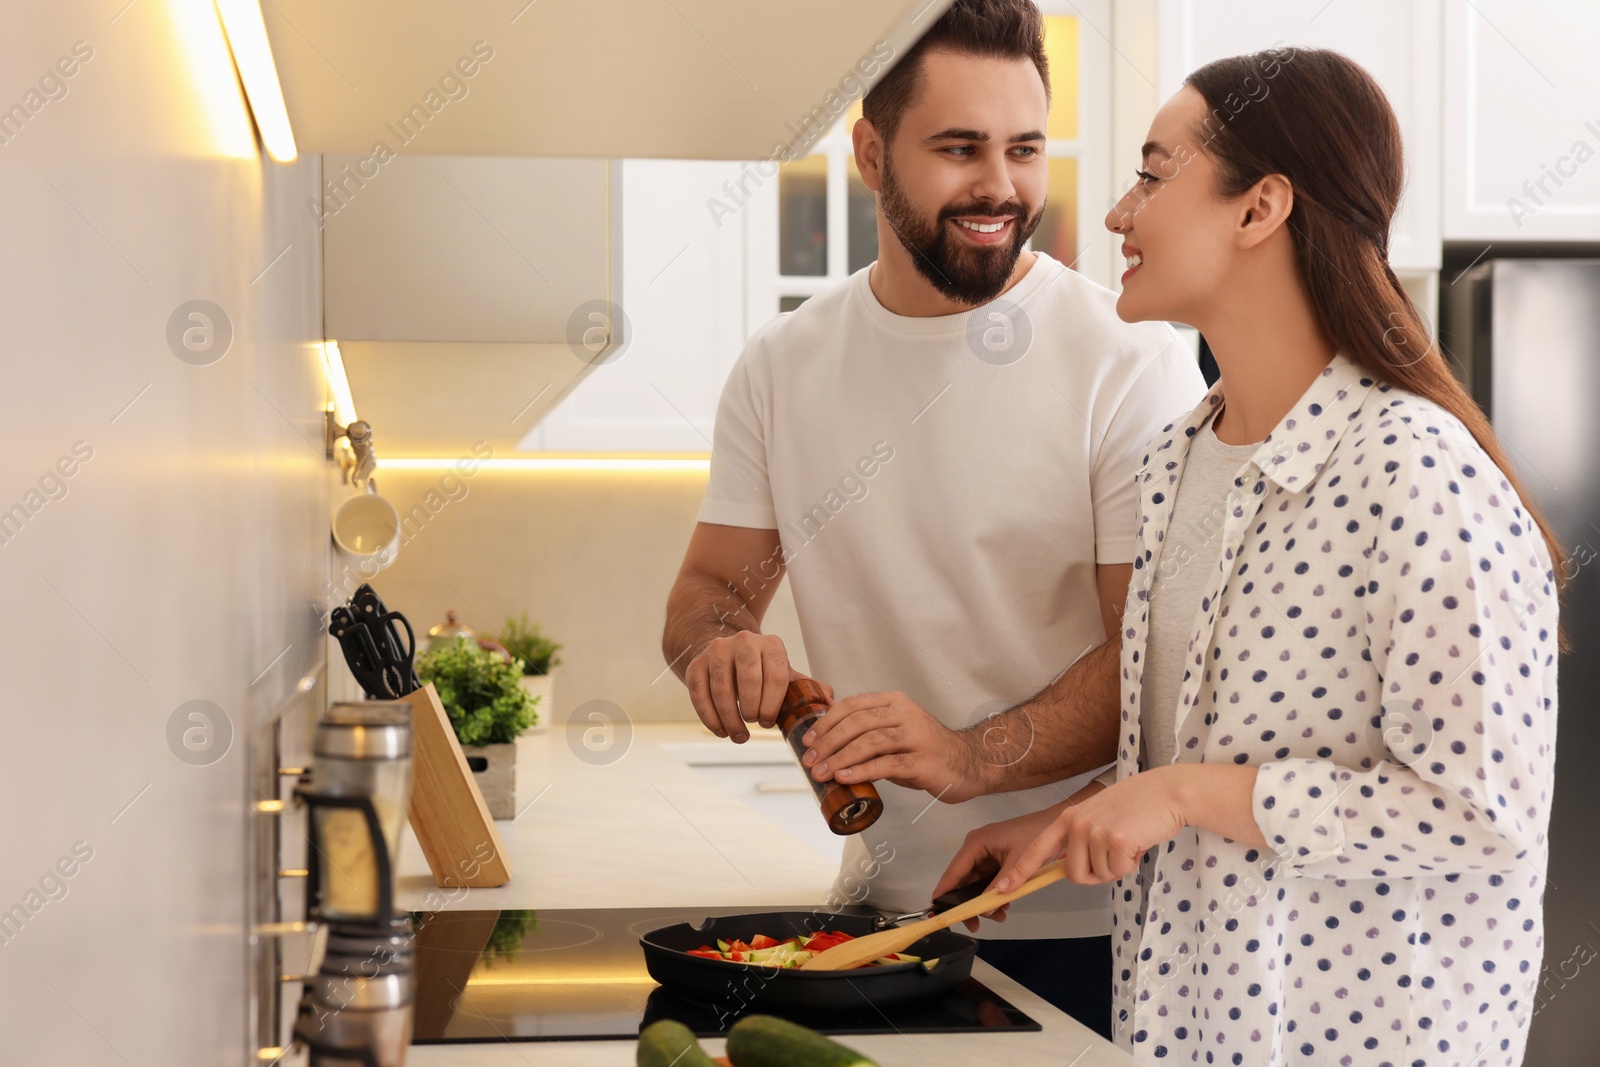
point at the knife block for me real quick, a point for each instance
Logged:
(459, 839)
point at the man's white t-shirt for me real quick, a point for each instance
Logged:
(944, 488)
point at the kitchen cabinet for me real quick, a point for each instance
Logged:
(681, 295)
(1521, 126)
(461, 248)
(817, 225)
(1396, 40)
(458, 288)
(703, 79)
(711, 251)
(762, 775)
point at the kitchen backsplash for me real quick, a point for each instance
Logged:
(590, 556)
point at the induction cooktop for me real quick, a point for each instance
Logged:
(579, 974)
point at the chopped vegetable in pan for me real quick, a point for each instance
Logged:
(770, 952)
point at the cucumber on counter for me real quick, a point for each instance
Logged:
(666, 1043)
(766, 1041)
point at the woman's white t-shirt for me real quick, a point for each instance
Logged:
(1200, 509)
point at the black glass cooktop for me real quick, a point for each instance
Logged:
(575, 974)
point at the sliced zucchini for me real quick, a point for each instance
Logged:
(667, 1043)
(766, 1041)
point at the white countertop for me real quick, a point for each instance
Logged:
(644, 830)
(647, 830)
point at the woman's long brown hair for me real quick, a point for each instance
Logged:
(1320, 120)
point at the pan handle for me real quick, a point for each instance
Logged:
(959, 895)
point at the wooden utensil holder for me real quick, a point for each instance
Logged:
(459, 839)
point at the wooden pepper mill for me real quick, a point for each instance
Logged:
(849, 809)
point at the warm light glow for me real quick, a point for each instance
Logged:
(561, 980)
(252, 54)
(1062, 47)
(699, 463)
(212, 119)
(344, 405)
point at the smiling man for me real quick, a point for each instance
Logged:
(938, 453)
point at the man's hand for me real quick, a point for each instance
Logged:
(988, 849)
(739, 674)
(1067, 729)
(740, 679)
(872, 736)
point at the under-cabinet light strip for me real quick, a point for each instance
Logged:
(252, 54)
(556, 463)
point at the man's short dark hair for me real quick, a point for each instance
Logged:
(1007, 29)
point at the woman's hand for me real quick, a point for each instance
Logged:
(1103, 837)
(985, 852)
(988, 849)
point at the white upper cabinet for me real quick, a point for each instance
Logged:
(1521, 121)
(1396, 40)
(682, 301)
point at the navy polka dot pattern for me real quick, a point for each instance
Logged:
(1378, 639)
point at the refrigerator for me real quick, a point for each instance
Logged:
(1525, 334)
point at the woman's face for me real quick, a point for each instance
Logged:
(1178, 234)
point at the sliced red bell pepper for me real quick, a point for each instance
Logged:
(826, 940)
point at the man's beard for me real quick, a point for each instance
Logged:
(963, 272)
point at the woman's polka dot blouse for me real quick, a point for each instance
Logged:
(1378, 638)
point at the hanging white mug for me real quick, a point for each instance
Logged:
(366, 532)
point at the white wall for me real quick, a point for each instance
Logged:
(186, 554)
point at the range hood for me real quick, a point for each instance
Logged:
(459, 289)
(471, 206)
(685, 79)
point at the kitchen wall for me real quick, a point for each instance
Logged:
(163, 534)
(589, 555)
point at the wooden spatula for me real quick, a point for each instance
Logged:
(861, 950)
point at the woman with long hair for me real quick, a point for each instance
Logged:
(1328, 823)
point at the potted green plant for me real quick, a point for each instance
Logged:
(537, 652)
(482, 693)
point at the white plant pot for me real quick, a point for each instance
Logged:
(543, 687)
(495, 769)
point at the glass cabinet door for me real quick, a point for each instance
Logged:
(803, 217)
(1057, 235)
